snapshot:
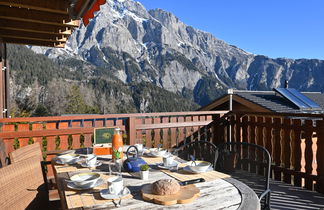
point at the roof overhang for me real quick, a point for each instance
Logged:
(43, 23)
(225, 99)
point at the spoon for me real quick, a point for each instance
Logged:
(193, 159)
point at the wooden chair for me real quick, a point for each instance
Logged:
(22, 185)
(34, 150)
(201, 150)
(249, 163)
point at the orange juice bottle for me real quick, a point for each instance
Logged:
(117, 144)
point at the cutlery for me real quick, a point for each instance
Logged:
(192, 181)
(193, 159)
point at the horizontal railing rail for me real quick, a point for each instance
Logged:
(75, 131)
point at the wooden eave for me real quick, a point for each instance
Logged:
(237, 99)
(36, 22)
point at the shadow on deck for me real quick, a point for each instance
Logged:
(285, 196)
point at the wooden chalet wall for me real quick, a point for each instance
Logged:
(4, 82)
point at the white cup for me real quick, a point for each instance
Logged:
(115, 185)
(139, 147)
(168, 160)
(91, 159)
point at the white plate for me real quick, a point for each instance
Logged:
(188, 169)
(161, 165)
(106, 195)
(73, 186)
(73, 161)
(84, 164)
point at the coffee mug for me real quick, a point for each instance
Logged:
(115, 185)
(91, 160)
(168, 160)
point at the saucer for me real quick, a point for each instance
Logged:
(162, 166)
(189, 170)
(106, 195)
(73, 186)
(84, 164)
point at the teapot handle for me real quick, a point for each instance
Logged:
(127, 152)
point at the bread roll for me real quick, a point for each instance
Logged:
(165, 187)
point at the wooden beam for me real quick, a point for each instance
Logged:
(30, 38)
(11, 33)
(32, 42)
(33, 26)
(64, 33)
(34, 14)
(26, 21)
(57, 6)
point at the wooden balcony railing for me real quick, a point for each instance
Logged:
(295, 142)
(67, 132)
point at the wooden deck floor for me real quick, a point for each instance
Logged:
(285, 196)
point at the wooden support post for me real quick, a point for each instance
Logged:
(277, 147)
(308, 153)
(296, 136)
(319, 156)
(286, 151)
(131, 130)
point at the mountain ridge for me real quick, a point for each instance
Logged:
(135, 46)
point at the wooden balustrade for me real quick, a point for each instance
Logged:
(67, 132)
(295, 142)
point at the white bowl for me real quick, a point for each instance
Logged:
(201, 166)
(85, 179)
(158, 152)
(66, 158)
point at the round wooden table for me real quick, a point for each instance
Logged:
(220, 193)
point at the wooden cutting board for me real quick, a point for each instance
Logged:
(187, 194)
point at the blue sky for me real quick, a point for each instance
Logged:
(275, 28)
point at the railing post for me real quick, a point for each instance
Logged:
(131, 130)
(215, 129)
(3, 154)
(319, 156)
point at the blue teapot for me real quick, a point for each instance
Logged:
(133, 164)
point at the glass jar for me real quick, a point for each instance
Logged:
(117, 145)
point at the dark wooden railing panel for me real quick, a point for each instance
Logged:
(293, 141)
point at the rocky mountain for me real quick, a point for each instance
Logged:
(145, 50)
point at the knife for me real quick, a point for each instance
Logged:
(192, 181)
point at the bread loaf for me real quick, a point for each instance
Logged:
(165, 187)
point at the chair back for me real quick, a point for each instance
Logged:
(22, 185)
(201, 150)
(32, 150)
(250, 163)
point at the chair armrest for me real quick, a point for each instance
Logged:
(264, 194)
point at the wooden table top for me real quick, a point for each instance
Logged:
(220, 192)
